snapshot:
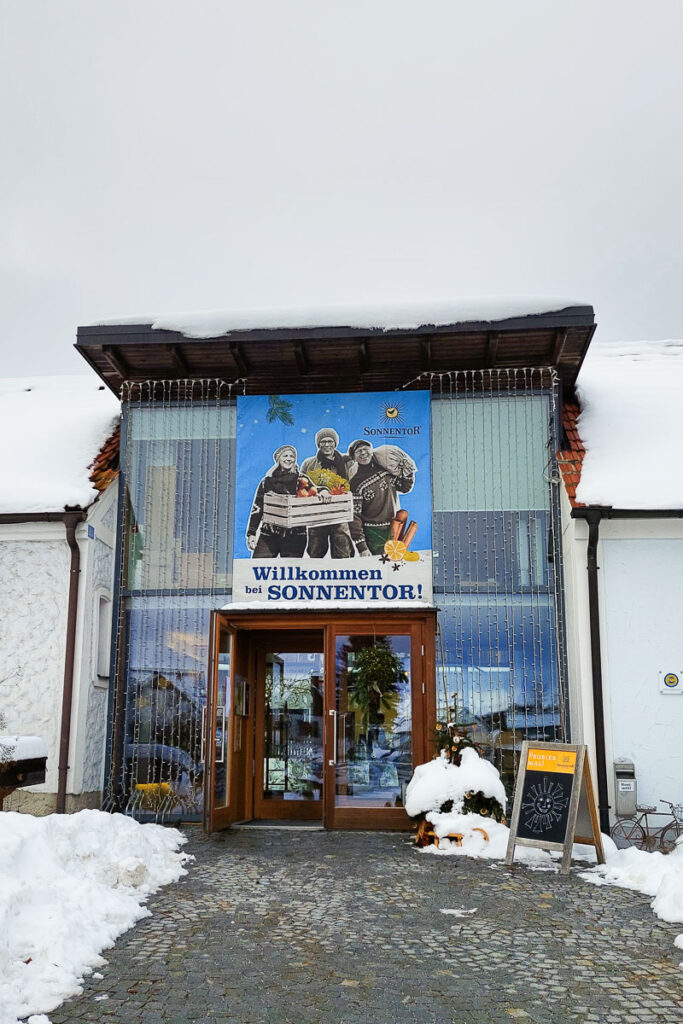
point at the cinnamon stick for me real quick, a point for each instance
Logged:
(408, 536)
(402, 517)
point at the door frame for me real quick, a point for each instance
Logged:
(420, 623)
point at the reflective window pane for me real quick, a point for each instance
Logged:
(222, 718)
(167, 658)
(374, 757)
(293, 743)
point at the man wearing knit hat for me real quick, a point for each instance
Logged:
(375, 496)
(324, 465)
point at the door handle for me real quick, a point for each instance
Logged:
(220, 714)
(202, 751)
(332, 762)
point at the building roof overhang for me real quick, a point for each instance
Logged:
(309, 359)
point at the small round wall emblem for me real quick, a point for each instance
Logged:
(671, 680)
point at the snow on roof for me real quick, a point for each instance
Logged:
(390, 316)
(51, 429)
(630, 396)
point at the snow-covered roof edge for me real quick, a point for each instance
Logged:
(54, 429)
(391, 316)
(629, 395)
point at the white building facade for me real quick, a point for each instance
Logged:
(55, 634)
(623, 557)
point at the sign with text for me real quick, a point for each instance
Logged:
(554, 801)
(333, 500)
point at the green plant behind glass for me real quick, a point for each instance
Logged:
(375, 675)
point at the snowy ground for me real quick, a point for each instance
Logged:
(69, 886)
(654, 874)
(438, 782)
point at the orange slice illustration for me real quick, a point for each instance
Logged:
(412, 556)
(396, 550)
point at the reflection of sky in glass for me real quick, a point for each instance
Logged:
(500, 653)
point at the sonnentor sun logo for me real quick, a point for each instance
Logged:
(391, 413)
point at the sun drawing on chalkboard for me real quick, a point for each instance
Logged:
(543, 805)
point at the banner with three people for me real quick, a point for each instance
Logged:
(333, 500)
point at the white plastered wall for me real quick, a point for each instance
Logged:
(575, 550)
(641, 597)
(640, 581)
(34, 582)
(90, 695)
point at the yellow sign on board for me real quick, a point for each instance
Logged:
(563, 761)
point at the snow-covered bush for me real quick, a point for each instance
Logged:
(442, 787)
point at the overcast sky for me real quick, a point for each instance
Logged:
(162, 156)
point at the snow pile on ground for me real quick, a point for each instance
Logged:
(435, 783)
(52, 429)
(629, 424)
(654, 874)
(21, 748)
(69, 886)
(390, 316)
(486, 839)
(438, 782)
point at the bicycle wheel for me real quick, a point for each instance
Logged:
(670, 834)
(627, 832)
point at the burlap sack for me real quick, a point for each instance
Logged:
(394, 460)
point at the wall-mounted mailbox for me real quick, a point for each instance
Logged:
(625, 787)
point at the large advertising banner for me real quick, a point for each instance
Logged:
(333, 500)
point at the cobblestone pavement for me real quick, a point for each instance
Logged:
(271, 927)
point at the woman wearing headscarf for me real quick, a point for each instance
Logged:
(266, 540)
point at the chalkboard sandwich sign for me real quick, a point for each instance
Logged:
(554, 801)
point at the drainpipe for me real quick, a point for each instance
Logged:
(593, 517)
(71, 521)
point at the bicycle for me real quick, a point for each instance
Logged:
(636, 831)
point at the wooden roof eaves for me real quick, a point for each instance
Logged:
(135, 334)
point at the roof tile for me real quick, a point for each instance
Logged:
(570, 459)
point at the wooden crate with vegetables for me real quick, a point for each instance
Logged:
(309, 507)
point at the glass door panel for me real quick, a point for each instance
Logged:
(291, 735)
(221, 719)
(373, 721)
(215, 745)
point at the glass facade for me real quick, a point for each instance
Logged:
(178, 459)
(496, 578)
(499, 651)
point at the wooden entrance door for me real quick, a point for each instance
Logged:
(228, 730)
(318, 715)
(380, 685)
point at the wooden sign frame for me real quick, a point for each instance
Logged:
(579, 814)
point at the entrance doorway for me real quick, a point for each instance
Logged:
(288, 726)
(318, 717)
